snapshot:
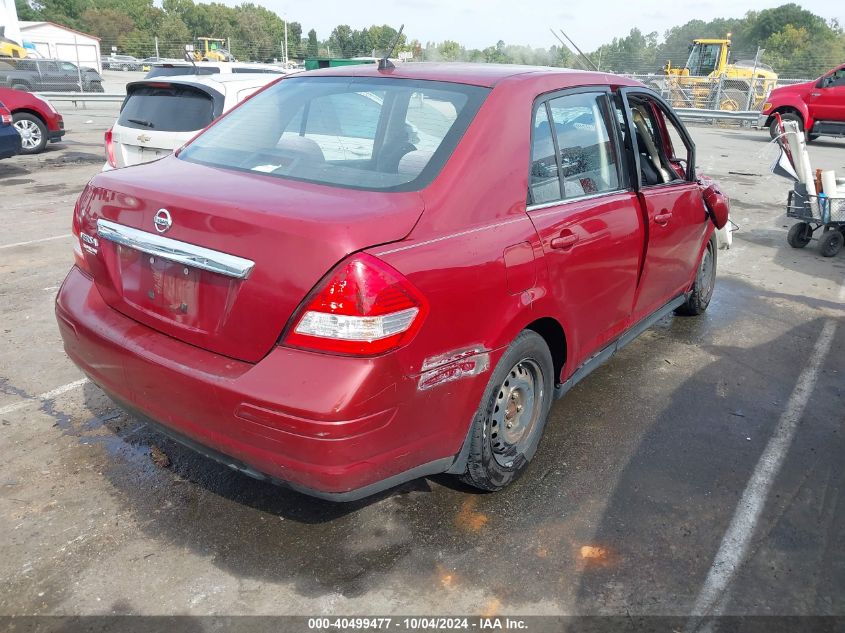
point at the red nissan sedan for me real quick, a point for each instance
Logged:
(361, 276)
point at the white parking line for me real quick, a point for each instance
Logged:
(736, 540)
(47, 395)
(38, 241)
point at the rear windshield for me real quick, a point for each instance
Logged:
(362, 133)
(166, 109)
(171, 71)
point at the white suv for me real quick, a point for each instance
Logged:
(160, 115)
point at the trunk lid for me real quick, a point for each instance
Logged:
(292, 232)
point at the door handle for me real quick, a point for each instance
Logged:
(663, 218)
(815, 94)
(565, 241)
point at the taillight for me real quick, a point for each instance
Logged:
(81, 241)
(5, 115)
(110, 148)
(364, 307)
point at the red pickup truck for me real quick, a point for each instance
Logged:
(818, 106)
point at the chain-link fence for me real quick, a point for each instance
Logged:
(714, 93)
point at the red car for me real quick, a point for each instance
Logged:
(818, 106)
(36, 120)
(359, 276)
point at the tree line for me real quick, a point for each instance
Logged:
(795, 41)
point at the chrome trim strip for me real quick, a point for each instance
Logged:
(176, 251)
(563, 201)
(521, 218)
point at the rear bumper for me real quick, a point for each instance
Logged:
(10, 142)
(56, 129)
(335, 427)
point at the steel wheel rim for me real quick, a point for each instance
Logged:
(30, 133)
(516, 410)
(705, 273)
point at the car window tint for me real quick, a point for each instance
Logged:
(68, 66)
(365, 133)
(167, 109)
(544, 183)
(587, 151)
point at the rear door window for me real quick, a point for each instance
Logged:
(167, 109)
(574, 144)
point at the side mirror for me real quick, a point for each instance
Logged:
(718, 205)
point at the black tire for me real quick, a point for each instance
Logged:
(21, 86)
(705, 281)
(33, 132)
(732, 100)
(785, 116)
(830, 243)
(124, 67)
(799, 235)
(520, 392)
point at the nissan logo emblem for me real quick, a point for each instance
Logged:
(162, 220)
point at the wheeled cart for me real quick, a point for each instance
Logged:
(816, 213)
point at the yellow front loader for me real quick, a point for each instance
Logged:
(210, 49)
(708, 79)
(9, 48)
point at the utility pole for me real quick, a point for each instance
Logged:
(286, 39)
(156, 39)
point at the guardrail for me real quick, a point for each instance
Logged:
(686, 114)
(696, 114)
(83, 97)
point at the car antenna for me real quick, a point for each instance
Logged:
(384, 63)
(588, 60)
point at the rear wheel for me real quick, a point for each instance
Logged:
(705, 281)
(799, 235)
(33, 132)
(509, 422)
(831, 242)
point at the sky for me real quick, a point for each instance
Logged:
(481, 23)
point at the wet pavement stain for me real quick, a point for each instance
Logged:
(439, 532)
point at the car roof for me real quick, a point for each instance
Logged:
(476, 74)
